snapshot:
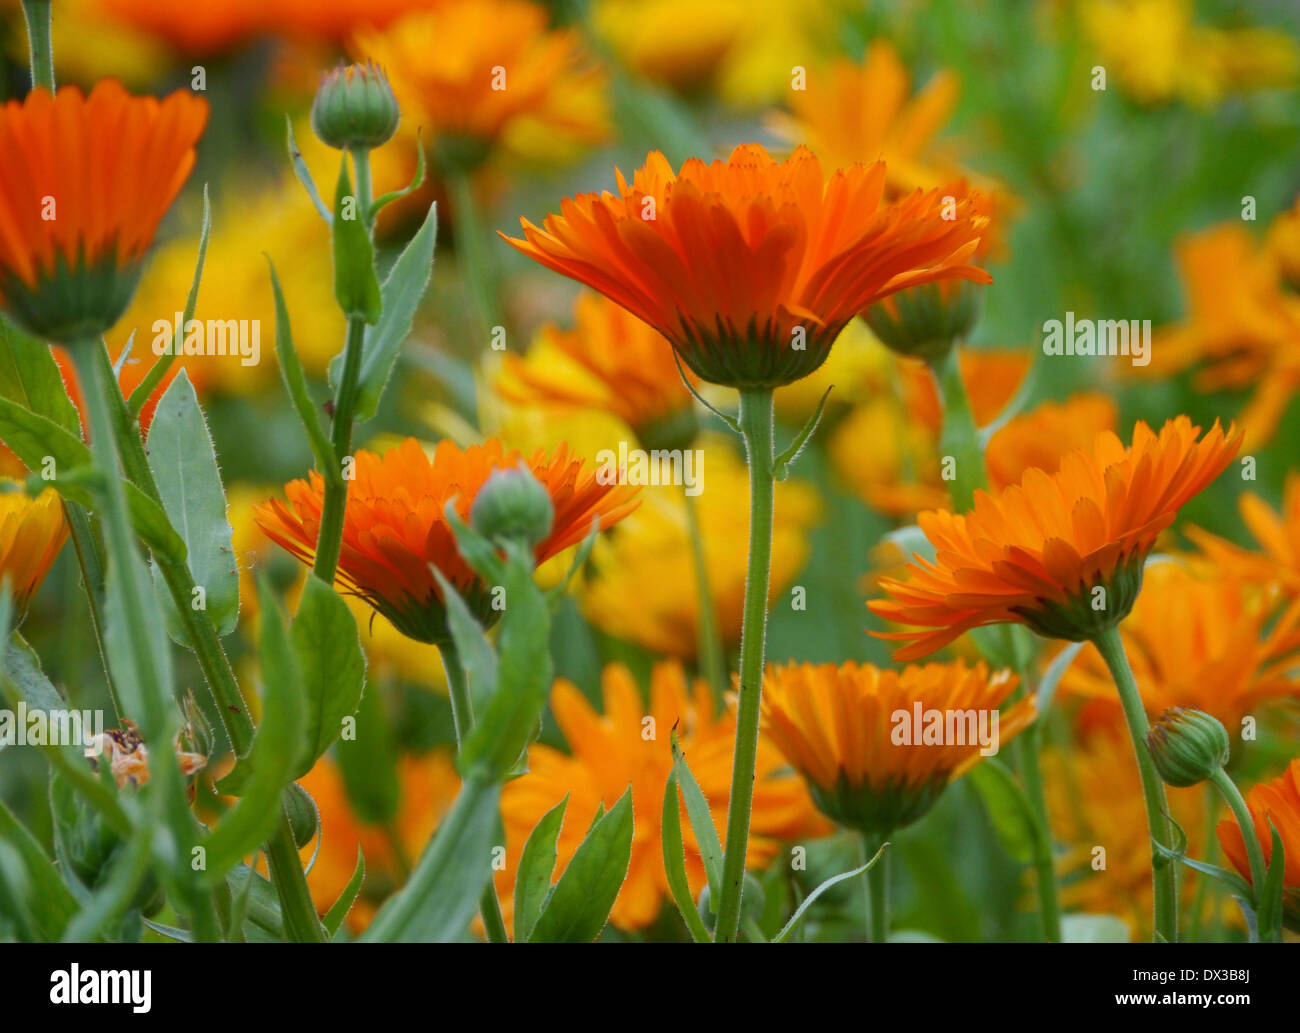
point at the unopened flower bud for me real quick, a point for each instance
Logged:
(513, 505)
(355, 107)
(1188, 746)
(926, 321)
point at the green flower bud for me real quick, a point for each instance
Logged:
(513, 505)
(926, 321)
(355, 107)
(1188, 746)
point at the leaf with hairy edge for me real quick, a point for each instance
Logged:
(30, 376)
(338, 911)
(184, 465)
(675, 864)
(356, 286)
(331, 664)
(579, 906)
(701, 819)
(533, 880)
(1008, 808)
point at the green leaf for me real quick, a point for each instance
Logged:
(701, 819)
(295, 381)
(579, 906)
(797, 917)
(417, 181)
(1008, 806)
(1052, 676)
(356, 286)
(34, 438)
(331, 664)
(675, 864)
(30, 376)
(303, 173)
(262, 920)
(533, 880)
(473, 650)
(442, 894)
(270, 761)
(1094, 929)
(368, 763)
(1269, 908)
(184, 465)
(339, 909)
(783, 462)
(403, 289)
(41, 893)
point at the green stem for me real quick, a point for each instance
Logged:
(1228, 789)
(1028, 744)
(756, 427)
(365, 195)
(713, 661)
(1163, 875)
(91, 561)
(1202, 883)
(959, 439)
(462, 716)
(473, 259)
(877, 890)
(329, 541)
(37, 14)
(301, 921)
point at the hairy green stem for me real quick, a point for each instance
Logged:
(40, 40)
(462, 716)
(877, 877)
(713, 660)
(1228, 789)
(959, 440)
(1028, 745)
(756, 427)
(91, 561)
(329, 540)
(1163, 875)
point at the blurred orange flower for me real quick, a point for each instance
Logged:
(1276, 802)
(1277, 533)
(628, 745)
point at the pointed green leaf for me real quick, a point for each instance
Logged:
(295, 381)
(339, 909)
(701, 819)
(1008, 806)
(331, 664)
(536, 864)
(675, 864)
(30, 376)
(797, 917)
(356, 286)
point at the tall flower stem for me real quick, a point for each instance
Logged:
(1163, 875)
(329, 540)
(1228, 789)
(877, 890)
(756, 427)
(462, 716)
(713, 661)
(960, 439)
(37, 14)
(301, 922)
(473, 260)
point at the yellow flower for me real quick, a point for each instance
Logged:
(32, 531)
(858, 368)
(610, 361)
(1095, 807)
(237, 286)
(642, 585)
(476, 75)
(1199, 636)
(628, 745)
(1159, 53)
(868, 742)
(1242, 330)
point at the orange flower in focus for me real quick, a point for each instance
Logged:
(1276, 531)
(1034, 552)
(1200, 638)
(80, 209)
(629, 745)
(395, 529)
(1276, 802)
(478, 74)
(612, 362)
(837, 725)
(428, 787)
(751, 267)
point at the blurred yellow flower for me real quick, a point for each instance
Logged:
(858, 368)
(628, 745)
(476, 75)
(1199, 636)
(32, 531)
(1160, 54)
(641, 575)
(1242, 330)
(1094, 804)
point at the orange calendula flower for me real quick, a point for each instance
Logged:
(751, 267)
(79, 211)
(1036, 552)
(628, 745)
(1039, 438)
(610, 361)
(32, 532)
(1276, 531)
(480, 74)
(877, 747)
(395, 529)
(1200, 638)
(1272, 805)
